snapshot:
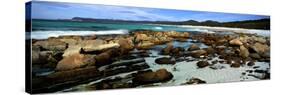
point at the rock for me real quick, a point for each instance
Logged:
(196, 81)
(144, 45)
(235, 65)
(70, 39)
(160, 75)
(178, 51)
(235, 42)
(104, 58)
(244, 53)
(35, 54)
(217, 66)
(260, 48)
(52, 44)
(63, 78)
(260, 40)
(193, 47)
(210, 51)
(165, 60)
(75, 61)
(125, 45)
(255, 56)
(141, 37)
(251, 63)
(202, 64)
(167, 50)
(97, 45)
(72, 49)
(198, 53)
(175, 34)
(46, 58)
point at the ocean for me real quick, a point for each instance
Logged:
(42, 29)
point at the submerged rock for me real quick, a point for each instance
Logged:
(196, 81)
(167, 50)
(202, 64)
(193, 47)
(198, 53)
(235, 65)
(165, 60)
(160, 75)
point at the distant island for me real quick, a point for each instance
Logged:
(263, 24)
(249, 24)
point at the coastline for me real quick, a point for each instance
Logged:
(132, 61)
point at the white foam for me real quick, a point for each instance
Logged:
(158, 28)
(47, 34)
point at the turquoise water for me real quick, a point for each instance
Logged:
(42, 29)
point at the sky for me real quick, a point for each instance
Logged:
(55, 10)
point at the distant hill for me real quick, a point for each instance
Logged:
(249, 24)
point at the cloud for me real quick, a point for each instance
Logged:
(52, 10)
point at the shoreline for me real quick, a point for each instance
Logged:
(148, 58)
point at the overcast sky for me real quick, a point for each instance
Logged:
(51, 10)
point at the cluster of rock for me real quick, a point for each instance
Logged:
(73, 55)
(87, 58)
(238, 50)
(147, 39)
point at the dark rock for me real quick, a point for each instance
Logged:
(235, 65)
(198, 53)
(202, 64)
(251, 63)
(165, 60)
(193, 47)
(210, 51)
(196, 81)
(75, 61)
(167, 50)
(52, 44)
(160, 75)
(255, 56)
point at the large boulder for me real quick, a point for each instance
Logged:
(125, 45)
(160, 75)
(235, 42)
(141, 37)
(198, 53)
(165, 60)
(51, 44)
(70, 39)
(97, 45)
(75, 61)
(144, 45)
(193, 47)
(244, 53)
(175, 34)
(202, 64)
(104, 58)
(72, 49)
(260, 48)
